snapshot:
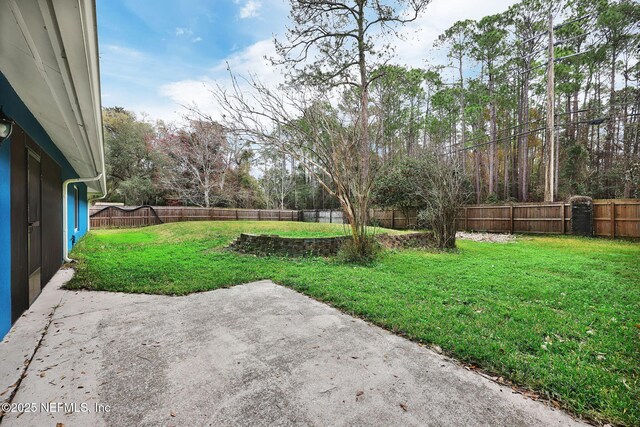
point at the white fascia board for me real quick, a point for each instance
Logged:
(76, 48)
(52, 63)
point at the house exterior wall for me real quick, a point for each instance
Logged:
(76, 234)
(13, 215)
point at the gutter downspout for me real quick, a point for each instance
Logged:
(65, 213)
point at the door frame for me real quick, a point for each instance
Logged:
(34, 274)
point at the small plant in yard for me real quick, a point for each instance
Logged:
(366, 253)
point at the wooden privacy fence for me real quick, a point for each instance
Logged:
(123, 217)
(616, 218)
(611, 218)
(544, 218)
(394, 218)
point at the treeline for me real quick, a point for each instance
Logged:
(488, 108)
(199, 164)
(161, 163)
(496, 117)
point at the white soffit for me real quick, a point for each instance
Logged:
(49, 54)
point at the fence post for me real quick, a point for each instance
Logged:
(613, 219)
(563, 219)
(258, 214)
(317, 215)
(511, 219)
(330, 216)
(393, 218)
(279, 215)
(237, 215)
(110, 218)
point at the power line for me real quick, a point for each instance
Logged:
(593, 122)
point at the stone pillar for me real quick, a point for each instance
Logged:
(582, 216)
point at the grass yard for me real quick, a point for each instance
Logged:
(557, 315)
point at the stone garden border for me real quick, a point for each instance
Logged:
(267, 244)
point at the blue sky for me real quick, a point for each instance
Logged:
(158, 54)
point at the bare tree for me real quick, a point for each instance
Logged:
(442, 189)
(199, 158)
(331, 50)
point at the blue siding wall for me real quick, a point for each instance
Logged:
(15, 108)
(5, 238)
(75, 235)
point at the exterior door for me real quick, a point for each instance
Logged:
(34, 217)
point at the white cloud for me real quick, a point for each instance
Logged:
(251, 9)
(123, 52)
(413, 50)
(416, 45)
(247, 62)
(182, 31)
(196, 39)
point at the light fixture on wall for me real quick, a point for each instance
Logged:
(6, 126)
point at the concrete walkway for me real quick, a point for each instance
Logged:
(257, 354)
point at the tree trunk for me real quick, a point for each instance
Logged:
(550, 161)
(477, 175)
(493, 134)
(610, 140)
(523, 139)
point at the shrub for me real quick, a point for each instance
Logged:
(367, 253)
(433, 183)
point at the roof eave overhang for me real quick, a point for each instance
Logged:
(49, 54)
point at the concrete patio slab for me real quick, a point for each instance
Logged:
(257, 354)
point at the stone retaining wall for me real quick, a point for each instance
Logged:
(275, 245)
(412, 240)
(265, 244)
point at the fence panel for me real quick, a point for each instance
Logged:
(616, 218)
(611, 218)
(528, 218)
(123, 217)
(552, 218)
(394, 218)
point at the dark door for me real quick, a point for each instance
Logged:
(51, 217)
(34, 213)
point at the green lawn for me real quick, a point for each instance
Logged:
(557, 315)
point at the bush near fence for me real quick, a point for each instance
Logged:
(611, 218)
